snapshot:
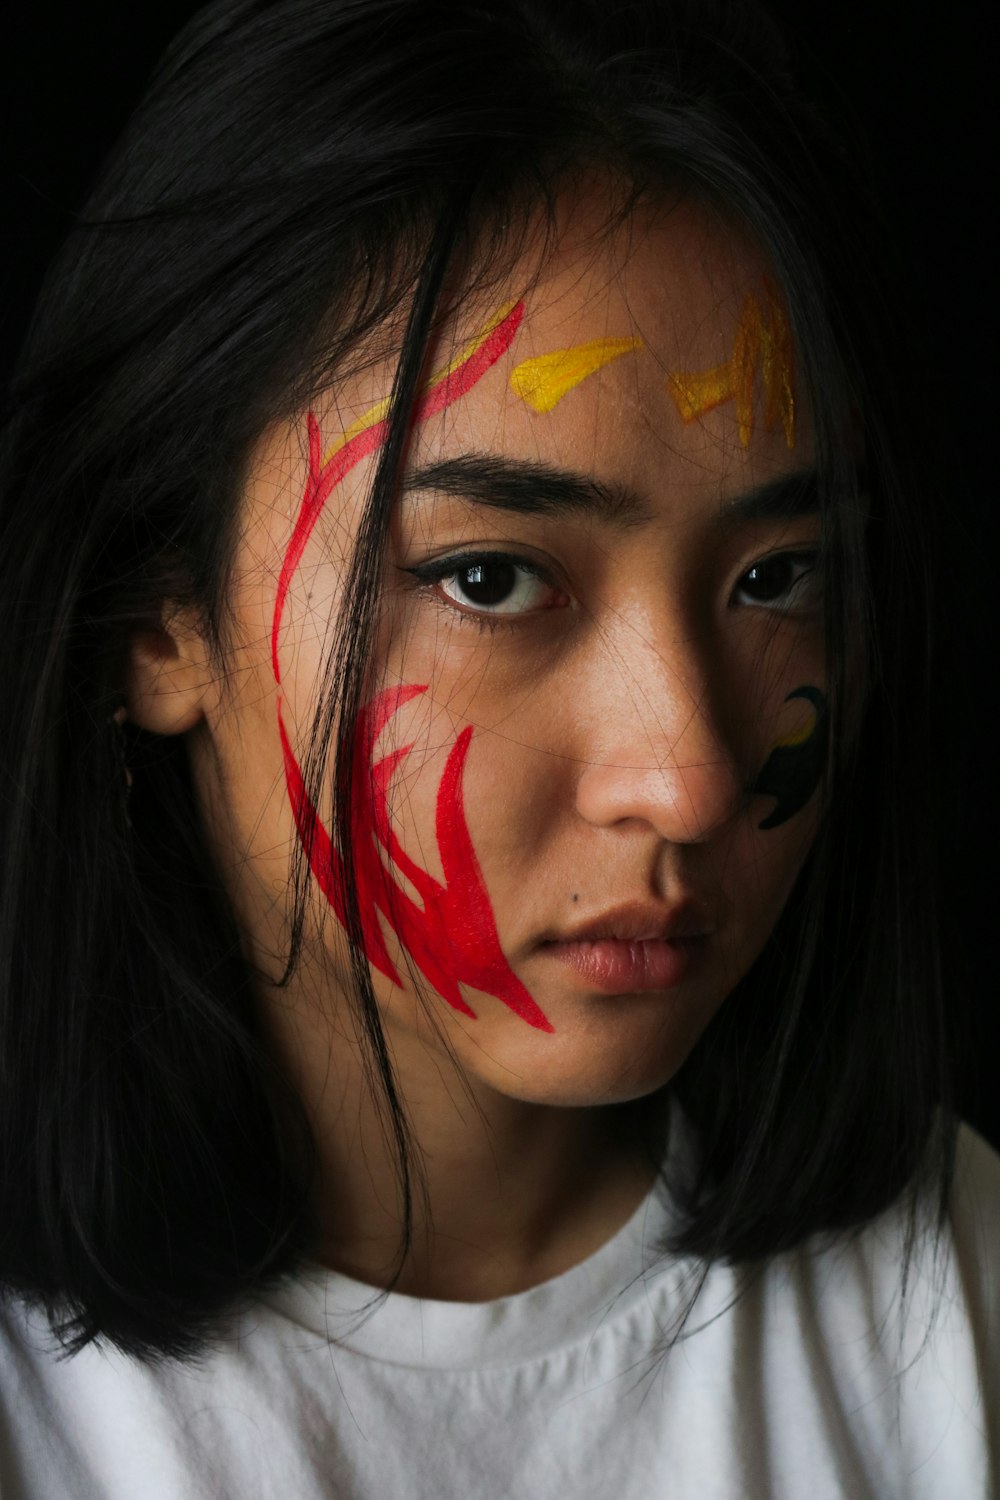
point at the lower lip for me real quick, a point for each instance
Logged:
(619, 967)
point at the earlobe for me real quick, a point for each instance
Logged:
(169, 676)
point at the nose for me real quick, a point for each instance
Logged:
(669, 766)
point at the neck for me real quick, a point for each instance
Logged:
(506, 1193)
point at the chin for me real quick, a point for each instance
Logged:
(580, 1066)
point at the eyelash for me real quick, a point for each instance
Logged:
(808, 579)
(442, 569)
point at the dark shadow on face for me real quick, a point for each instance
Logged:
(793, 771)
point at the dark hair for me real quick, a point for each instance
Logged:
(298, 175)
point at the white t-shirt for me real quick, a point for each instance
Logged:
(800, 1388)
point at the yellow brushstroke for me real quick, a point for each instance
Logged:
(380, 410)
(797, 736)
(763, 341)
(544, 381)
(473, 344)
(374, 414)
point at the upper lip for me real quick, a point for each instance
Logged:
(639, 922)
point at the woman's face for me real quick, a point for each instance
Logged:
(588, 764)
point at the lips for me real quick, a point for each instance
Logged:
(634, 948)
(640, 923)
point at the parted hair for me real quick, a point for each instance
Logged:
(299, 174)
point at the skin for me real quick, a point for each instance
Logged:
(617, 723)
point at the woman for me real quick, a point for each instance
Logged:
(470, 1023)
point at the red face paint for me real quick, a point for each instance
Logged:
(325, 475)
(453, 937)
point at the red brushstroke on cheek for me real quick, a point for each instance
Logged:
(452, 937)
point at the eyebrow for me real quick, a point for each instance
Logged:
(783, 499)
(536, 489)
(529, 489)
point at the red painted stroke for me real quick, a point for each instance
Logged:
(324, 478)
(452, 938)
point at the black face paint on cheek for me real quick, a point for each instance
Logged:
(795, 766)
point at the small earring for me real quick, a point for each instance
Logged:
(117, 721)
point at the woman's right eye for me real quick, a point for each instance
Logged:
(491, 584)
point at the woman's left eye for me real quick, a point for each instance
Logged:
(788, 580)
(491, 584)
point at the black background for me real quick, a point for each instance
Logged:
(919, 90)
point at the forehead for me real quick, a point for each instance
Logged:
(657, 350)
(672, 272)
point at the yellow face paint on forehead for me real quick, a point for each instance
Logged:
(763, 342)
(380, 410)
(543, 382)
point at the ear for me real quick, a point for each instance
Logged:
(170, 675)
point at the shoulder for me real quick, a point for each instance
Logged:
(907, 1329)
(925, 1272)
(971, 1277)
(875, 1355)
(976, 1209)
(964, 1247)
(100, 1423)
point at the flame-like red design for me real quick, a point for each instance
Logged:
(453, 937)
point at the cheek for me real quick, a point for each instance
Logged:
(794, 768)
(443, 922)
(783, 816)
(519, 800)
(312, 607)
